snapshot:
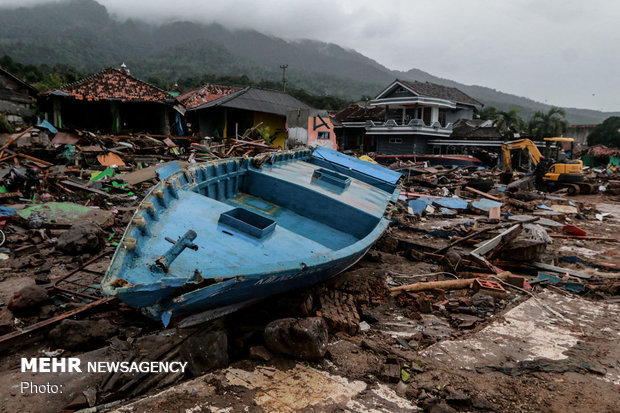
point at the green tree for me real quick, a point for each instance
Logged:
(607, 133)
(487, 113)
(548, 124)
(509, 123)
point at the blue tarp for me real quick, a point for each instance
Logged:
(418, 206)
(7, 212)
(485, 204)
(167, 170)
(452, 203)
(46, 125)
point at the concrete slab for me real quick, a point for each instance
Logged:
(300, 388)
(551, 326)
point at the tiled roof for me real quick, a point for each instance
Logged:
(112, 84)
(474, 129)
(258, 100)
(205, 94)
(25, 84)
(357, 113)
(439, 91)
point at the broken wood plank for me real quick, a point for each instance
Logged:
(483, 194)
(520, 204)
(586, 238)
(548, 267)
(11, 195)
(32, 158)
(458, 241)
(146, 174)
(443, 285)
(84, 187)
(12, 141)
(498, 241)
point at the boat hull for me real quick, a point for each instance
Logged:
(254, 232)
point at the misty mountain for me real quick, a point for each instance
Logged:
(82, 34)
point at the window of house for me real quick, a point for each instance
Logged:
(426, 116)
(323, 135)
(396, 140)
(442, 117)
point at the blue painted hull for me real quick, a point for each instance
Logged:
(230, 232)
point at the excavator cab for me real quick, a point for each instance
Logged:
(553, 170)
(560, 168)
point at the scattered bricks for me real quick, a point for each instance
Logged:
(339, 311)
(6, 322)
(516, 280)
(390, 373)
(424, 304)
(491, 288)
(458, 398)
(387, 244)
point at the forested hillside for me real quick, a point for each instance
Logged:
(81, 34)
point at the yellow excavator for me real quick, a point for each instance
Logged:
(555, 170)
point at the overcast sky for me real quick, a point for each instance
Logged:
(560, 52)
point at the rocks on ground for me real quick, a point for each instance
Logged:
(303, 338)
(82, 237)
(28, 300)
(205, 350)
(81, 334)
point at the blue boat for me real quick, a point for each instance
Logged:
(216, 236)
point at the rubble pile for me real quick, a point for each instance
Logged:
(463, 251)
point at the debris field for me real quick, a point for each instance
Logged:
(479, 296)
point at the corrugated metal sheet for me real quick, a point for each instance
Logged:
(336, 158)
(259, 100)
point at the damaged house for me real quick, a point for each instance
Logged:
(311, 127)
(17, 99)
(114, 101)
(236, 111)
(415, 114)
(350, 127)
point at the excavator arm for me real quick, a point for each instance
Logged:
(532, 150)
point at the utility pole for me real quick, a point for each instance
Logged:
(283, 67)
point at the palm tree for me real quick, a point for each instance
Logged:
(509, 123)
(549, 124)
(487, 113)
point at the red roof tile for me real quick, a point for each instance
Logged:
(205, 94)
(112, 84)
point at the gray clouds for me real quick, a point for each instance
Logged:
(561, 52)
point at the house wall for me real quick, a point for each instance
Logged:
(452, 116)
(408, 144)
(579, 133)
(321, 132)
(274, 126)
(310, 128)
(112, 117)
(15, 101)
(210, 122)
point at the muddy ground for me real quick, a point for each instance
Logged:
(441, 351)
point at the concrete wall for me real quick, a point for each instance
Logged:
(579, 133)
(273, 126)
(454, 115)
(311, 128)
(15, 101)
(408, 144)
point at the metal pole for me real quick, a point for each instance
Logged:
(283, 67)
